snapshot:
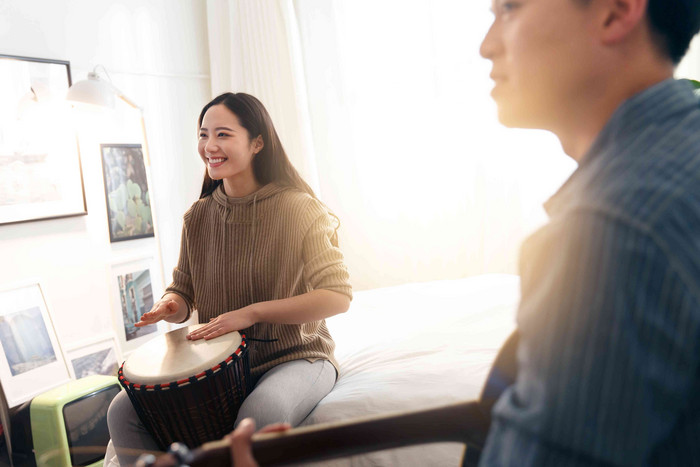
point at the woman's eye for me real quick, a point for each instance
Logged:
(202, 135)
(221, 135)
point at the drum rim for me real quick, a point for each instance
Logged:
(238, 353)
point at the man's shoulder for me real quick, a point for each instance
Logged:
(650, 169)
(658, 183)
(653, 193)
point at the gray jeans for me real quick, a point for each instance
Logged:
(286, 393)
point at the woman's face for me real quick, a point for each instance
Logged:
(226, 148)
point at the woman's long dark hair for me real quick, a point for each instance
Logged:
(271, 164)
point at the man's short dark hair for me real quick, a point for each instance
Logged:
(674, 23)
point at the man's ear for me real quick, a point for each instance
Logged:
(620, 18)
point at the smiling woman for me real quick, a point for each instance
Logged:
(259, 255)
(228, 151)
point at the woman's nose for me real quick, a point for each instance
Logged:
(210, 146)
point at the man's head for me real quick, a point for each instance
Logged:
(555, 62)
(673, 25)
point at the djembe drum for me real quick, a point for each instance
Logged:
(187, 391)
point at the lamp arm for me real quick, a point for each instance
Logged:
(94, 72)
(128, 101)
(147, 160)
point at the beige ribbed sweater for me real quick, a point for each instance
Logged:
(272, 244)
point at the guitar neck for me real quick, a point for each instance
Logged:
(464, 422)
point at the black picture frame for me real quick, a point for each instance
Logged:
(41, 174)
(127, 193)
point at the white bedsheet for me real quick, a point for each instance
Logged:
(416, 346)
(411, 347)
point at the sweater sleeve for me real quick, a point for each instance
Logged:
(182, 280)
(324, 267)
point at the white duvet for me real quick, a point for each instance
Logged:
(416, 346)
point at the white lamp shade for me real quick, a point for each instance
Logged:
(92, 91)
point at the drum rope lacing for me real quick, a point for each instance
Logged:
(183, 382)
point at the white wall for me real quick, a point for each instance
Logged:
(156, 53)
(690, 65)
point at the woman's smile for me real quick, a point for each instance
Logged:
(215, 161)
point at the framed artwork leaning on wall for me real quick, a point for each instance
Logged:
(32, 360)
(126, 192)
(40, 170)
(99, 356)
(135, 290)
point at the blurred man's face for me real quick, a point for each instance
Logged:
(543, 56)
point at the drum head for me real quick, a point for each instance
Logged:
(172, 357)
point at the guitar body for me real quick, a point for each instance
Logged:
(466, 422)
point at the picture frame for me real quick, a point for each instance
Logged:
(32, 360)
(40, 170)
(135, 288)
(99, 356)
(127, 194)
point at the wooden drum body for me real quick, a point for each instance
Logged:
(188, 391)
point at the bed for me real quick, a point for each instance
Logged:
(414, 346)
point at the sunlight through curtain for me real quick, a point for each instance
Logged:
(401, 128)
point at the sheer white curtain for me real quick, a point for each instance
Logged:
(401, 129)
(254, 48)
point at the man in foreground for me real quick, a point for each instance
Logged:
(609, 322)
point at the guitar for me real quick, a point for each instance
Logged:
(465, 422)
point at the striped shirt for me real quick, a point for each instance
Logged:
(272, 244)
(609, 322)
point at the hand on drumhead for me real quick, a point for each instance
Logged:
(240, 441)
(162, 309)
(223, 324)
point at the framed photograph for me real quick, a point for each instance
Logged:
(32, 361)
(135, 286)
(40, 171)
(98, 357)
(126, 192)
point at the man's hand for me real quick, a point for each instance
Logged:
(240, 441)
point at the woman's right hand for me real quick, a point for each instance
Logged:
(163, 308)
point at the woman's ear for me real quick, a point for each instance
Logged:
(258, 144)
(621, 18)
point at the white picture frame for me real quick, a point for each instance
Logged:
(99, 356)
(135, 288)
(40, 172)
(32, 361)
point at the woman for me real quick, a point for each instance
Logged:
(259, 255)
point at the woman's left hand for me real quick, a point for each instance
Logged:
(227, 322)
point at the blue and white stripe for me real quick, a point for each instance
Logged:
(609, 354)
